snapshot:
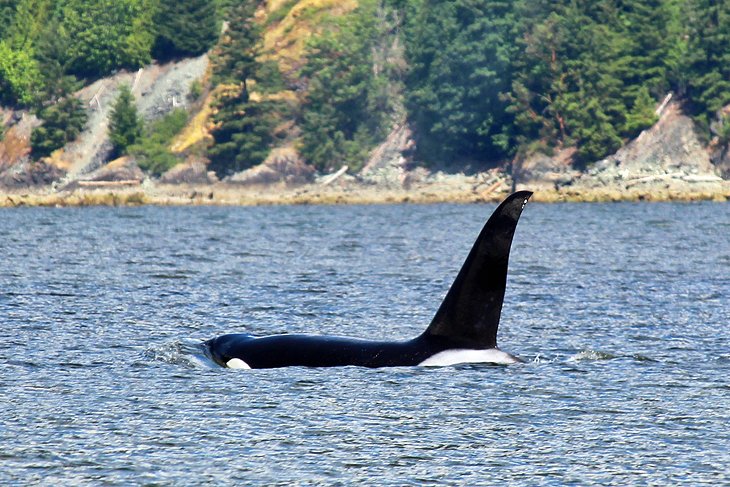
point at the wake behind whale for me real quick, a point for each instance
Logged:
(464, 329)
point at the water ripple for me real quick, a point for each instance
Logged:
(619, 311)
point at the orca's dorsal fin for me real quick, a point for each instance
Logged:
(469, 314)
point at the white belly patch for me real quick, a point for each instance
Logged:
(466, 356)
(237, 363)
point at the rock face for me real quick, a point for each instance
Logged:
(665, 157)
(387, 166)
(669, 154)
(283, 166)
(122, 169)
(540, 171)
(17, 170)
(192, 171)
(721, 159)
(15, 140)
(28, 173)
(158, 89)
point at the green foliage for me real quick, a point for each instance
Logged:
(235, 60)
(125, 126)
(28, 20)
(152, 150)
(53, 62)
(185, 28)
(244, 136)
(642, 113)
(486, 79)
(345, 110)
(244, 128)
(590, 73)
(708, 58)
(20, 76)
(595, 133)
(489, 78)
(7, 16)
(196, 90)
(280, 14)
(45, 42)
(62, 123)
(106, 35)
(460, 53)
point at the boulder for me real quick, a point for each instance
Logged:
(121, 169)
(30, 173)
(540, 171)
(192, 171)
(283, 166)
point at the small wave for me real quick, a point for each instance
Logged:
(591, 355)
(541, 359)
(187, 352)
(643, 358)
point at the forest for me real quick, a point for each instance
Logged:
(476, 80)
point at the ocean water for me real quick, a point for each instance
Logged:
(621, 311)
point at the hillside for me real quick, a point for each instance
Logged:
(294, 90)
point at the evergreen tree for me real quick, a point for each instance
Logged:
(642, 112)
(708, 59)
(460, 53)
(243, 133)
(105, 35)
(185, 28)
(53, 60)
(648, 54)
(244, 136)
(538, 79)
(581, 80)
(125, 126)
(20, 76)
(62, 123)
(28, 21)
(7, 16)
(235, 59)
(63, 116)
(343, 113)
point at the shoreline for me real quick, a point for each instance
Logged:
(224, 194)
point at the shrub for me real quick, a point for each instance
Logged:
(152, 150)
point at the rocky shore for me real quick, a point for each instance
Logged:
(443, 188)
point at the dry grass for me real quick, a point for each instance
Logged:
(198, 128)
(287, 40)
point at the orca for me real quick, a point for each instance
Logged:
(464, 329)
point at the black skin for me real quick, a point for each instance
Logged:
(322, 351)
(468, 318)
